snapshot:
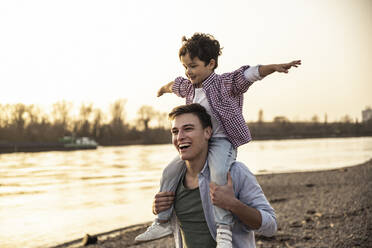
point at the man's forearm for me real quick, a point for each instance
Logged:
(246, 214)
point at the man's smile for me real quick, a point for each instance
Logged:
(182, 147)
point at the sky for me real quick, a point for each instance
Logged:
(87, 51)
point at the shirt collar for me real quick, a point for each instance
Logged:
(205, 171)
(210, 79)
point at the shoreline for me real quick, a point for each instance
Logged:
(327, 208)
(29, 147)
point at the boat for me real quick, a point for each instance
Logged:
(67, 143)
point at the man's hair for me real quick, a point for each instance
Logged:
(194, 108)
(203, 46)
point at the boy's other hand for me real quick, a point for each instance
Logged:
(285, 67)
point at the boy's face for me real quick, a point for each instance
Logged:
(196, 70)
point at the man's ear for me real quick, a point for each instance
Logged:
(208, 132)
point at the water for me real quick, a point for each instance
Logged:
(52, 197)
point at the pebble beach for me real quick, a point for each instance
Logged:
(330, 208)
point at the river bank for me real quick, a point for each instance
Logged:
(314, 209)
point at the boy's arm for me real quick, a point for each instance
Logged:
(265, 70)
(165, 89)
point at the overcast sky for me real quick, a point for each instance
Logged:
(100, 51)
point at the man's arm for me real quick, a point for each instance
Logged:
(165, 89)
(265, 70)
(224, 197)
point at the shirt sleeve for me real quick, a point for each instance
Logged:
(181, 86)
(252, 74)
(250, 193)
(236, 82)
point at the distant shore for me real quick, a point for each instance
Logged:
(330, 208)
(15, 147)
(143, 142)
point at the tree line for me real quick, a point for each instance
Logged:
(28, 123)
(284, 129)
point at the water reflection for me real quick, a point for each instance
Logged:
(46, 198)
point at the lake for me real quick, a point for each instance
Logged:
(51, 197)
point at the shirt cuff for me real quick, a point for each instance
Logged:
(252, 74)
(176, 86)
(268, 226)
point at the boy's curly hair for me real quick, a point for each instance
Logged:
(203, 46)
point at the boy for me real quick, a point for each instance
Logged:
(222, 96)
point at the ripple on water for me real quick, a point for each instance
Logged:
(21, 193)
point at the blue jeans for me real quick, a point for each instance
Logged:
(221, 155)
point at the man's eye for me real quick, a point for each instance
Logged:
(174, 132)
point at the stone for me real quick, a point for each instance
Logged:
(89, 240)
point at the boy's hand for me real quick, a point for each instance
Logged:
(165, 89)
(285, 67)
(160, 92)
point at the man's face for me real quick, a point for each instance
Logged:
(189, 137)
(196, 70)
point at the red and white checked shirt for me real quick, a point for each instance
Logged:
(225, 97)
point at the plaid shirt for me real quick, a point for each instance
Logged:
(225, 97)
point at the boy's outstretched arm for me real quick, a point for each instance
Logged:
(165, 89)
(265, 70)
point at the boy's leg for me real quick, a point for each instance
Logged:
(161, 226)
(221, 155)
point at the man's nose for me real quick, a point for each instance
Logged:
(180, 135)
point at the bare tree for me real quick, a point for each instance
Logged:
(97, 122)
(346, 119)
(19, 115)
(84, 116)
(33, 114)
(162, 119)
(117, 110)
(315, 119)
(61, 113)
(145, 115)
(4, 118)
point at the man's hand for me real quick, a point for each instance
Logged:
(223, 196)
(162, 201)
(285, 67)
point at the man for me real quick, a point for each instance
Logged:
(193, 220)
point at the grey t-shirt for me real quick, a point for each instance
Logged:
(189, 211)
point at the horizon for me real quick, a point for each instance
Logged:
(74, 114)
